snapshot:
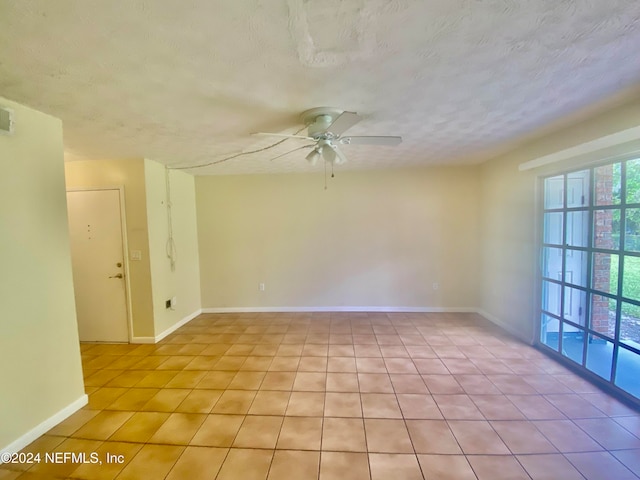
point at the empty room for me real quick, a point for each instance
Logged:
(339, 239)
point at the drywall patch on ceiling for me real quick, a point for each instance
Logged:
(332, 33)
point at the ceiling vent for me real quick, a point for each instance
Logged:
(6, 121)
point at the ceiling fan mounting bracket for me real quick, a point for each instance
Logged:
(312, 116)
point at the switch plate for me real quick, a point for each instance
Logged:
(261, 286)
(136, 255)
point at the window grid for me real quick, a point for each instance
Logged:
(574, 246)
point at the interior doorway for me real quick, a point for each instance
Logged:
(96, 226)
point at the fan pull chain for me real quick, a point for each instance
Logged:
(325, 175)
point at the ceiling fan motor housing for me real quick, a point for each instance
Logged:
(318, 120)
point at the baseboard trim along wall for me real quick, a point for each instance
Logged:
(176, 326)
(168, 331)
(339, 309)
(45, 426)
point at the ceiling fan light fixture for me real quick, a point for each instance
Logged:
(314, 155)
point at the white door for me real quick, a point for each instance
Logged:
(95, 228)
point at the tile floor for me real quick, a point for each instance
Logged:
(338, 397)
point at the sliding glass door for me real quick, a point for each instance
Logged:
(591, 271)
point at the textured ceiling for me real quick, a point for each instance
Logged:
(185, 82)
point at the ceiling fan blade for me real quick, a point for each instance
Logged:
(284, 135)
(370, 140)
(291, 151)
(344, 122)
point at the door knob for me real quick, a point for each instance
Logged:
(116, 276)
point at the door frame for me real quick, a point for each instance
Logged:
(125, 249)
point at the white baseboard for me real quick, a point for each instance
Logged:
(168, 331)
(177, 325)
(340, 309)
(504, 325)
(45, 426)
(143, 340)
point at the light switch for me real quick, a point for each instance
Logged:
(136, 255)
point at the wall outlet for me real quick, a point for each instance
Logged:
(136, 255)
(170, 304)
(261, 287)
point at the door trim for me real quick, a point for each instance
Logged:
(125, 249)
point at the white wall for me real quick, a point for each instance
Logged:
(375, 238)
(39, 348)
(183, 282)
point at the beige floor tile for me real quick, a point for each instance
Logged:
(234, 402)
(630, 459)
(186, 379)
(342, 405)
(247, 380)
(128, 378)
(310, 382)
(202, 363)
(442, 384)
(609, 433)
(566, 436)
(152, 461)
(198, 463)
(140, 427)
(67, 427)
(300, 433)
(269, 403)
(433, 437)
(341, 364)
(111, 465)
(200, 401)
(497, 467)
(218, 431)
(311, 350)
(103, 425)
(458, 407)
(367, 350)
(393, 465)
(522, 437)
(258, 432)
(430, 366)
(342, 382)
(375, 383)
(104, 397)
(156, 379)
(600, 466)
(278, 381)
(216, 380)
(256, 364)
(62, 468)
(284, 364)
(387, 436)
(380, 405)
(344, 434)
(477, 438)
(166, 400)
(312, 364)
(406, 383)
(371, 365)
(496, 407)
(446, 467)
(134, 399)
(344, 466)
(415, 406)
(178, 429)
(246, 464)
(549, 467)
(536, 407)
(574, 406)
(288, 464)
(306, 404)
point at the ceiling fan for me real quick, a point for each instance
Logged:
(325, 127)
